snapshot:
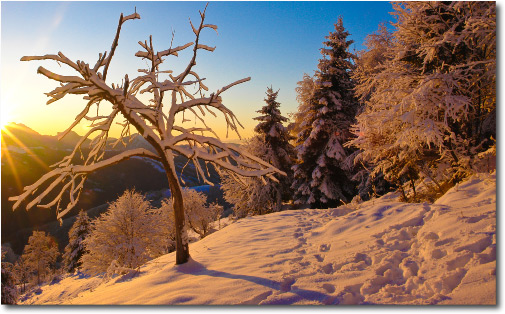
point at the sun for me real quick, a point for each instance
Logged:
(5, 118)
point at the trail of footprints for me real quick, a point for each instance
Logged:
(400, 260)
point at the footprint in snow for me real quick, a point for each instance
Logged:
(324, 247)
(287, 283)
(329, 287)
(257, 299)
(328, 268)
(319, 258)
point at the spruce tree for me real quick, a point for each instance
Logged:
(75, 248)
(277, 150)
(326, 111)
(252, 196)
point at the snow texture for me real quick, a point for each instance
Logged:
(379, 252)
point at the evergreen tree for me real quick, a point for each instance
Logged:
(40, 254)
(271, 143)
(23, 272)
(75, 248)
(426, 115)
(277, 150)
(322, 175)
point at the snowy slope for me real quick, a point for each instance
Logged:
(384, 252)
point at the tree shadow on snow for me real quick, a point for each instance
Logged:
(193, 267)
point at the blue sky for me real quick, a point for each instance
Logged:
(273, 42)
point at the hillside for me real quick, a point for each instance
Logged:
(382, 252)
(26, 156)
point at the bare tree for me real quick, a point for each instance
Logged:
(155, 121)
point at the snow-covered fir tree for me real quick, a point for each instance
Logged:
(9, 289)
(199, 214)
(278, 151)
(75, 247)
(124, 236)
(272, 144)
(322, 175)
(430, 103)
(40, 254)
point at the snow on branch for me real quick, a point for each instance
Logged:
(68, 175)
(154, 121)
(116, 40)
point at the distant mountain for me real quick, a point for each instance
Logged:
(14, 134)
(26, 156)
(20, 136)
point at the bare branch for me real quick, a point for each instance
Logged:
(116, 40)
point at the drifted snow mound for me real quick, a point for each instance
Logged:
(384, 252)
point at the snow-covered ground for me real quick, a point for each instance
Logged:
(384, 252)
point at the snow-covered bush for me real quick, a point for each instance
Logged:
(75, 248)
(252, 196)
(198, 214)
(370, 61)
(125, 234)
(9, 290)
(23, 273)
(249, 197)
(327, 108)
(40, 254)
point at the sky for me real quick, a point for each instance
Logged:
(274, 43)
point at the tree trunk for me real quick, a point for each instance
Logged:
(413, 188)
(181, 238)
(278, 205)
(400, 186)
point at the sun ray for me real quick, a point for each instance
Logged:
(6, 155)
(24, 147)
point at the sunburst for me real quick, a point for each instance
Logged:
(5, 118)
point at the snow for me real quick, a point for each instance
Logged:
(378, 252)
(16, 149)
